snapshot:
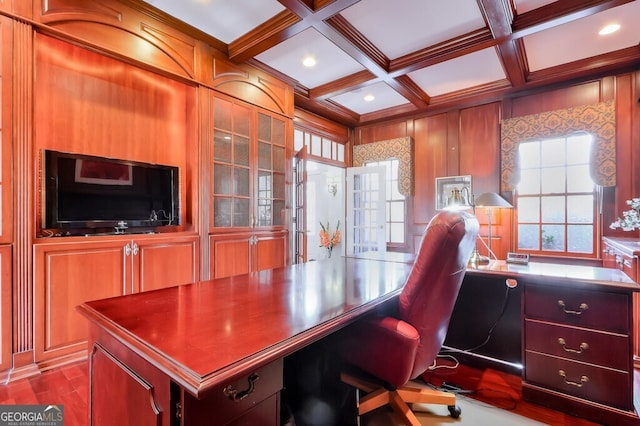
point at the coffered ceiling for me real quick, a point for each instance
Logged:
(375, 59)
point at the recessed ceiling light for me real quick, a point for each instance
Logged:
(309, 61)
(608, 29)
(369, 98)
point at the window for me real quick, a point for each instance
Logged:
(395, 209)
(556, 197)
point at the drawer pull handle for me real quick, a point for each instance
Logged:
(236, 395)
(583, 307)
(583, 379)
(583, 346)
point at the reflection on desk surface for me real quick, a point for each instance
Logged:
(577, 272)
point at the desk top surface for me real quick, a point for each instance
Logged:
(207, 333)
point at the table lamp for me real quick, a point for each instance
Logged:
(490, 201)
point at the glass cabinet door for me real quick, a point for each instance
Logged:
(231, 164)
(270, 185)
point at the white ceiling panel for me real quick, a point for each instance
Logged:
(580, 39)
(384, 97)
(331, 61)
(225, 20)
(471, 70)
(403, 26)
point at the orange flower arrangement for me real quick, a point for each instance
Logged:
(328, 240)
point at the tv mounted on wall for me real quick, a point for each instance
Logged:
(86, 195)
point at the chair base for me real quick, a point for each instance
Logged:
(399, 398)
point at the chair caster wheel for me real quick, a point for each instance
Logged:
(454, 411)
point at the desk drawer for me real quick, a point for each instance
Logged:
(594, 347)
(263, 396)
(587, 381)
(602, 310)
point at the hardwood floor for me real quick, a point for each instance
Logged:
(69, 386)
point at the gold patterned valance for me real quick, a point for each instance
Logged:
(599, 120)
(399, 148)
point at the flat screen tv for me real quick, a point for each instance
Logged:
(86, 194)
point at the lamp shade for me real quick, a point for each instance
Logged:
(491, 199)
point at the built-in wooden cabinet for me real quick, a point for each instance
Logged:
(241, 253)
(68, 273)
(248, 163)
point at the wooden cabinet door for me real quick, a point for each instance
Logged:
(66, 275)
(165, 263)
(270, 252)
(230, 255)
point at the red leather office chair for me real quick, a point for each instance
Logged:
(398, 348)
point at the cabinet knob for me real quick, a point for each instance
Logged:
(127, 249)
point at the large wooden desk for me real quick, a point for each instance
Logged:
(213, 351)
(166, 357)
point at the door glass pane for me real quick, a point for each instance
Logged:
(222, 211)
(222, 146)
(222, 114)
(222, 179)
(278, 128)
(241, 212)
(241, 176)
(264, 155)
(264, 127)
(278, 185)
(279, 160)
(241, 150)
(241, 120)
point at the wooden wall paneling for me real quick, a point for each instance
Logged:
(246, 83)
(479, 152)
(22, 177)
(550, 100)
(382, 132)
(6, 129)
(453, 143)
(17, 7)
(430, 156)
(93, 104)
(117, 28)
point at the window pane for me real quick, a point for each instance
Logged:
(396, 233)
(529, 155)
(529, 237)
(553, 180)
(579, 179)
(553, 209)
(529, 209)
(553, 237)
(579, 149)
(580, 209)
(529, 182)
(396, 213)
(580, 238)
(552, 152)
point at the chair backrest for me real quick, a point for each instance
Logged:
(432, 287)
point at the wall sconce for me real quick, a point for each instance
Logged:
(332, 185)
